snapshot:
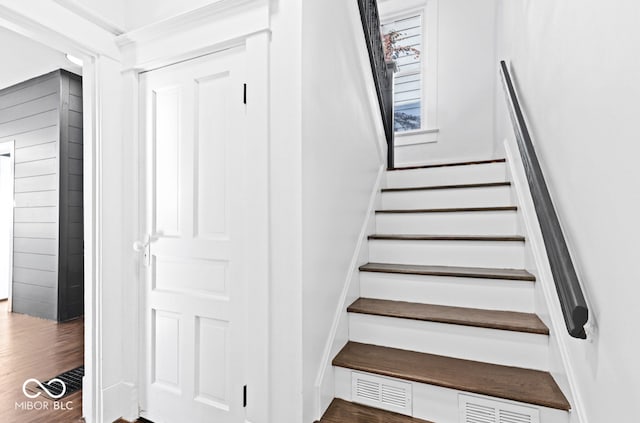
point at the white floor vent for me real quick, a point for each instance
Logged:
(481, 410)
(380, 392)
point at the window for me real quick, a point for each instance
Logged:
(403, 40)
(415, 26)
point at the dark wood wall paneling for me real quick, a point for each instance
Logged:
(29, 116)
(71, 266)
(44, 118)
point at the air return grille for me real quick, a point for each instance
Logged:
(384, 393)
(481, 410)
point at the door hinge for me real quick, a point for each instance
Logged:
(244, 396)
(244, 96)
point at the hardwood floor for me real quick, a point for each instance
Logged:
(36, 348)
(341, 411)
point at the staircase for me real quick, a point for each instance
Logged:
(445, 329)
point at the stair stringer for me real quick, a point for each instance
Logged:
(339, 335)
(547, 304)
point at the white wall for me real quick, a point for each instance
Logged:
(577, 74)
(466, 67)
(340, 161)
(285, 162)
(27, 59)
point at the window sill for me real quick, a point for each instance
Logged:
(419, 136)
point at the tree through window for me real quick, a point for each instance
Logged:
(402, 40)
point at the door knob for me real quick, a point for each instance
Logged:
(140, 246)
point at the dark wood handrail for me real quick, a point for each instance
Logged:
(572, 301)
(382, 70)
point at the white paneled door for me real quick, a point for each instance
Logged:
(195, 181)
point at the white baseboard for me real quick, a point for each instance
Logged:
(112, 407)
(544, 277)
(324, 384)
(130, 401)
(119, 402)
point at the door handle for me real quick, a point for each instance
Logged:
(140, 246)
(144, 247)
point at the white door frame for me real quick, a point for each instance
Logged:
(212, 28)
(42, 23)
(9, 147)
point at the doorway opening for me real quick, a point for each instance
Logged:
(41, 231)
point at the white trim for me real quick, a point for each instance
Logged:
(258, 79)
(544, 277)
(83, 11)
(324, 385)
(92, 196)
(208, 29)
(58, 28)
(134, 119)
(113, 396)
(132, 292)
(431, 67)
(9, 146)
(417, 132)
(420, 136)
(181, 22)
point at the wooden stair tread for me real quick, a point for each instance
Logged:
(448, 164)
(458, 186)
(451, 210)
(341, 411)
(511, 383)
(490, 319)
(405, 237)
(453, 271)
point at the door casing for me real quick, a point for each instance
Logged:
(98, 71)
(8, 147)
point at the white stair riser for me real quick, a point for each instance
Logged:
(471, 343)
(458, 223)
(449, 175)
(438, 404)
(447, 198)
(489, 294)
(502, 254)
